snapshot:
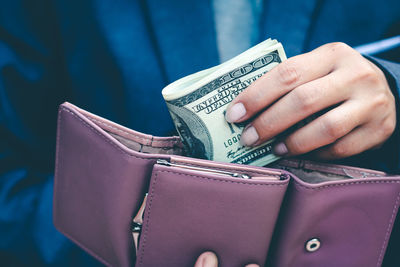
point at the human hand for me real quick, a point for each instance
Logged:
(209, 259)
(334, 75)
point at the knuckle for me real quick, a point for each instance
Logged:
(339, 47)
(287, 73)
(369, 75)
(339, 150)
(333, 129)
(380, 101)
(387, 128)
(265, 126)
(305, 98)
(366, 74)
(295, 145)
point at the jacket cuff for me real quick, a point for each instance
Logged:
(390, 151)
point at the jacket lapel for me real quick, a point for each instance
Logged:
(184, 35)
(289, 21)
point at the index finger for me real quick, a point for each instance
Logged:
(280, 80)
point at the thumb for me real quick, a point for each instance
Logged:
(207, 259)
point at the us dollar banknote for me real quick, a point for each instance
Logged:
(197, 104)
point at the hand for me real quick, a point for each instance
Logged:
(209, 259)
(334, 75)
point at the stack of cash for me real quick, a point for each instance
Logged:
(197, 104)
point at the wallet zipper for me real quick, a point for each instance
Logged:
(203, 169)
(209, 170)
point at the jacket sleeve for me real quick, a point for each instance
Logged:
(32, 84)
(390, 152)
(387, 157)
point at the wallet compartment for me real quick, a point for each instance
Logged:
(99, 182)
(190, 211)
(334, 215)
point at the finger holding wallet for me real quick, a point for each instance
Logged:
(209, 259)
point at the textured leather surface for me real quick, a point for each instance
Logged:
(98, 186)
(352, 218)
(100, 183)
(190, 212)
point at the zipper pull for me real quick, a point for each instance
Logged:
(137, 222)
(164, 162)
(283, 176)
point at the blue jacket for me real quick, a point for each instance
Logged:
(113, 58)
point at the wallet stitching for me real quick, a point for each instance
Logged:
(356, 171)
(345, 184)
(152, 195)
(109, 141)
(170, 142)
(155, 178)
(147, 225)
(58, 156)
(144, 158)
(228, 181)
(342, 184)
(335, 168)
(388, 230)
(237, 182)
(105, 138)
(230, 169)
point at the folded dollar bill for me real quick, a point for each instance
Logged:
(197, 104)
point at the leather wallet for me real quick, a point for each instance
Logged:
(131, 199)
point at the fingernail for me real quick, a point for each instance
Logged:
(210, 260)
(249, 136)
(280, 149)
(235, 112)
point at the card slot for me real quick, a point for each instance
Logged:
(134, 140)
(170, 149)
(312, 172)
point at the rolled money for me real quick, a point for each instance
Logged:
(197, 104)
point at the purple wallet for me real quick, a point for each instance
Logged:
(131, 199)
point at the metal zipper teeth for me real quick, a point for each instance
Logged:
(232, 174)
